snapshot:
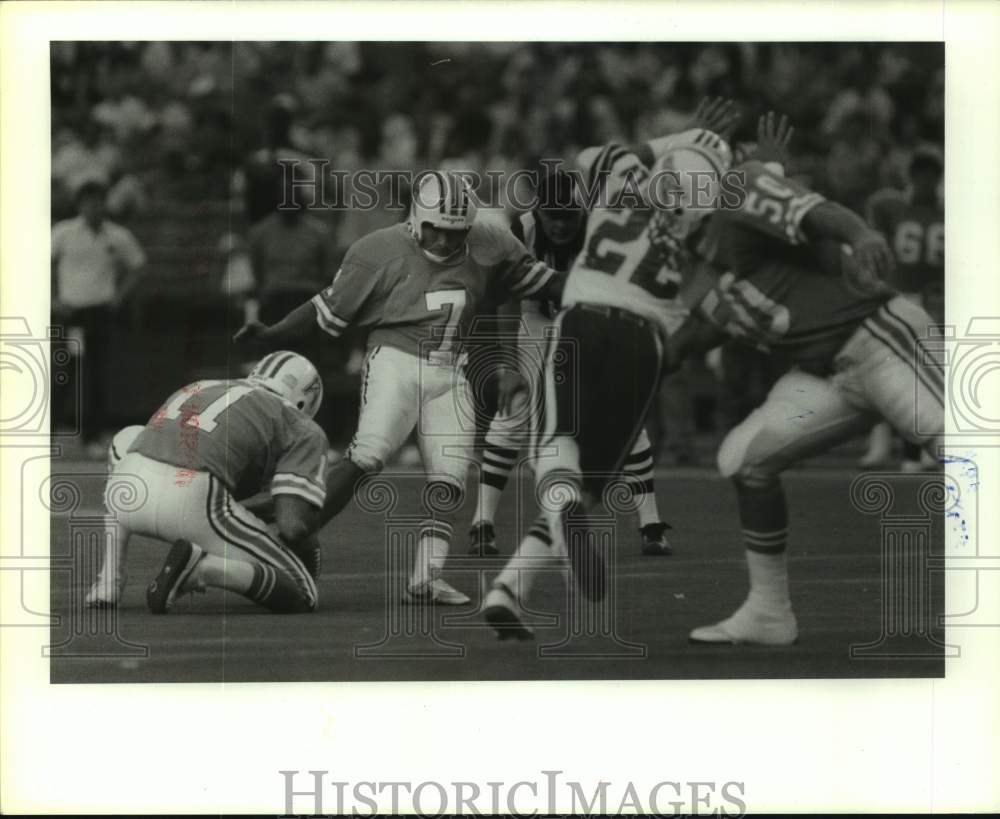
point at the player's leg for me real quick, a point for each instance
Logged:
(243, 556)
(386, 418)
(879, 447)
(890, 369)
(504, 440)
(231, 548)
(446, 436)
(638, 472)
(590, 415)
(802, 416)
(109, 586)
(507, 435)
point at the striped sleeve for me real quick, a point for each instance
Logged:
(598, 163)
(345, 301)
(301, 467)
(774, 204)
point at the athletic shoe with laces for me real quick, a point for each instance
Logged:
(654, 539)
(483, 540)
(751, 623)
(503, 612)
(105, 593)
(433, 591)
(182, 560)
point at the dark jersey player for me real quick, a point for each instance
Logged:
(554, 232)
(806, 281)
(912, 222)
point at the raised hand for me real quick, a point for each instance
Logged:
(874, 261)
(250, 333)
(719, 115)
(773, 137)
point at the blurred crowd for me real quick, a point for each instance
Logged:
(177, 119)
(169, 125)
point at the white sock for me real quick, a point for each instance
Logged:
(647, 509)
(432, 551)
(488, 503)
(116, 538)
(768, 580)
(519, 574)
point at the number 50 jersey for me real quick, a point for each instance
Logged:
(243, 435)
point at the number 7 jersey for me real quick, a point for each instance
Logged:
(422, 307)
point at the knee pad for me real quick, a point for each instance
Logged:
(733, 461)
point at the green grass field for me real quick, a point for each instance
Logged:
(360, 633)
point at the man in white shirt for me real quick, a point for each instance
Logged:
(95, 264)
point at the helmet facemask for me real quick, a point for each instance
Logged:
(685, 184)
(444, 203)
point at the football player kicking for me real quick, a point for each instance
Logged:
(858, 350)
(418, 286)
(553, 231)
(606, 355)
(210, 442)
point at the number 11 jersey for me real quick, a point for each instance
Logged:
(243, 435)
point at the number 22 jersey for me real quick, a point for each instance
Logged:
(623, 240)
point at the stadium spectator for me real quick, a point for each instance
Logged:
(290, 252)
(95, 264)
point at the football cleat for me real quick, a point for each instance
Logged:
(483, 540)
(431, 592)
(503, 612)
(751, 624)
(654, 539)
(182, 560)
(105, 594)
(291, 377)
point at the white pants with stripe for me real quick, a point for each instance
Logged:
(400, 392)
(199, 508)
(883, 372)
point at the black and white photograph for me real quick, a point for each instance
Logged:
(482, 360)
(498, 360)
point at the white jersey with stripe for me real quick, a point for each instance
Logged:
(626, 261)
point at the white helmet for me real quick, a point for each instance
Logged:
(442, 199)
(292, 377)
(685, 183)
(119, 445)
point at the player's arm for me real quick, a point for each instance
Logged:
(869, 248)
(299, 482)
(331, 310)
(718, 115)
(296, 518)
